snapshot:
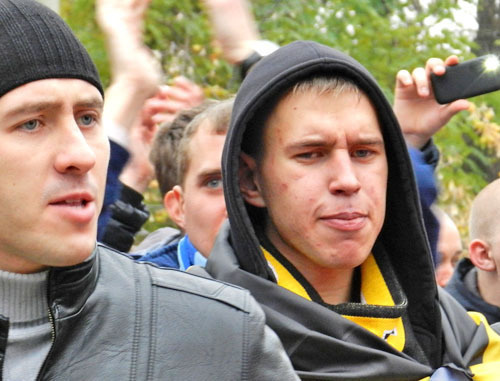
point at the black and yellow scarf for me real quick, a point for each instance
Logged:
(373, 291)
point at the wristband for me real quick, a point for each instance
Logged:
(260, 48)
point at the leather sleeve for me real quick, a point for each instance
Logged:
(267, 360)
(264, 356)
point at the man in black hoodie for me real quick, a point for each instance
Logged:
(326, 229)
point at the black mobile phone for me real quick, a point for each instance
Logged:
(467, 79)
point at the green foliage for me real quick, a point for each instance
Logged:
(79, 14)
(384, 35)
(180, 33)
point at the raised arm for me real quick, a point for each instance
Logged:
(415, 106)
(235, 30)
(234, 27)
(135, 75)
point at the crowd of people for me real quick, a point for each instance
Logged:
(309, 244)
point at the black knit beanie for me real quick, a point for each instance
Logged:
(35, 43)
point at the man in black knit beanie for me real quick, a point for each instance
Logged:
(71, 309)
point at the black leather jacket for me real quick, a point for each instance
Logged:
(115, 319)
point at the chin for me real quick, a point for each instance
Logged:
(346, 260)
(76, 253)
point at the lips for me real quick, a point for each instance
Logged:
(75, 203)
(78, 207)
(346, 221)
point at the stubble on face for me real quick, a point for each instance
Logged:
(55, 160)
(323, 178)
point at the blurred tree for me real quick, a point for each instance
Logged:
(385, 35)
(488, 33)
(53, 4)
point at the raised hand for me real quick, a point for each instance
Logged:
(234, 27)
(415, 106)
(135, 73)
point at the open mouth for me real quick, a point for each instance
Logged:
(77, 208)
(81, 203)
(76, 199)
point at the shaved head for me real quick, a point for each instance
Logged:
(485, 212)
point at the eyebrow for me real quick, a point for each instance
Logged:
(371, 141)
(320, 142)
(91, 103)
(45, 105)
(209, 172)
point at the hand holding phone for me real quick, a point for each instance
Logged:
(467, 79)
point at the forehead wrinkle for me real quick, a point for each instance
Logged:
(320, 141)
(311, 142)
(38, 106)
(33, 107)
(370, 141)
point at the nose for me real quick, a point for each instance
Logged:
(74, 152)
(344, 179)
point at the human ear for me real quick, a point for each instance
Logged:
(249, 184)
(174, 203)
(480, 255)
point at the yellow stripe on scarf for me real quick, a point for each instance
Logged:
(488, 369)
(283, 276)
(374, 290)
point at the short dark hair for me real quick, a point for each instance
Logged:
(218, 115)
(163, 154)
(169, 153)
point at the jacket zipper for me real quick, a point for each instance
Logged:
(4, 351)
(52, 337)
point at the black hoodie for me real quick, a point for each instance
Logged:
(320, 341)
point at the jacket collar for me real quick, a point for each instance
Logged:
(69, 287)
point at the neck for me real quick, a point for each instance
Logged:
(13, 263)
(488, 283)
(332, 285)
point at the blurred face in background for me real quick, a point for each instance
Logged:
(197, 206)
(449, 250)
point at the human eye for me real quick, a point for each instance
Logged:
(363, 153)
(30, 125)
(309, 155)
(87, 120)
(366, 152)
(214, 183)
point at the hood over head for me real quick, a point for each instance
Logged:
(403, 234)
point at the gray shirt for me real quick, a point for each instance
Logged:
(23, 300)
